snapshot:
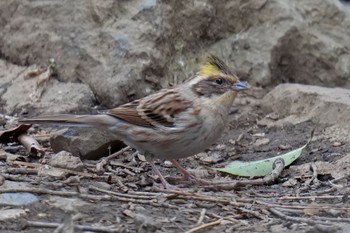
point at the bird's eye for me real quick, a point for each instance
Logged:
(219, 81)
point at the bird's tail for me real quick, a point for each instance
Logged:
(73, 120)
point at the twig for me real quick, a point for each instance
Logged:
(254, 213)
(176, 194)
(85, 196)
(104, 161)
(201, 216)
(124, 194)
(271, 205)
(310, 198)
(25, 164)
(313, 179)
(296, 219)
(332, 219)
(119, 164)
(31, 144)
(332, 189)
(143, 193)
(4, 155)
(19, 178)
(2, 179)
(22, 170)
(204, 226)
(341, 178)
(78, 227)
(314, 175)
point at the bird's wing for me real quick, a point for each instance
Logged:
(159, 109)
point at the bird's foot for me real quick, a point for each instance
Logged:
(187, 175)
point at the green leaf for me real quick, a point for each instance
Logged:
(261, 167)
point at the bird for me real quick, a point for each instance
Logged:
(173, 123)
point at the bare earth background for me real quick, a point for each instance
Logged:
(295, 54)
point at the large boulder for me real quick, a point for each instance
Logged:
(123, 50)
(19, 94)
(327, 108)
(299, 41)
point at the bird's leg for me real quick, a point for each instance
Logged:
(161, 177)
(186, 174)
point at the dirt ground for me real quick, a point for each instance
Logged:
(127, 198)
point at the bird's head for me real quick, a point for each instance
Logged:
(216, 78)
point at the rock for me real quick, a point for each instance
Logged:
(10, 214)
(279, 45)
(17, 199)
(336, 144)
(346, 229)
(87, 143)
(290, 182)
(46, 171)
(68, 204)
(298, 103)
(107, 45)
(284, 147)
(337, 169)
(8, 72)
(16, 94)
(261, 142)
(262, 134)
(167, 163)
(124, 50)
(13, 184)
(220, 147)
(211, 157)
(315, 55)
(66, 160)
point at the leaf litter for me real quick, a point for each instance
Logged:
(316, 197)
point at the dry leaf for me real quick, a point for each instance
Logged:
(11, 135)
(19, 134)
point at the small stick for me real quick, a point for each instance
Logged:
(31, 144)
(79, 227)
(310, 197)
(104, 161)
(201, 216)
(204, 226)
(296, 219)
(124, 194)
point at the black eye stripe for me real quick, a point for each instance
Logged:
(211, 86)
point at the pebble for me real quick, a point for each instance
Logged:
(167, 163)
(232, 142)
(8, 214)
(336, 144)
(262, 142)
(259, 135)
(66, 160)
(220, 147)
(284, 147)
(213, 157)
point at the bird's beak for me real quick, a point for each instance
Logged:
(240, 86)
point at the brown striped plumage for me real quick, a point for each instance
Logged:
(172, 123)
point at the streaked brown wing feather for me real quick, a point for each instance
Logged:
(158, 109)
(128, 112)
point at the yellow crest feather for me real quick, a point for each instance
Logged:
(214, 66)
